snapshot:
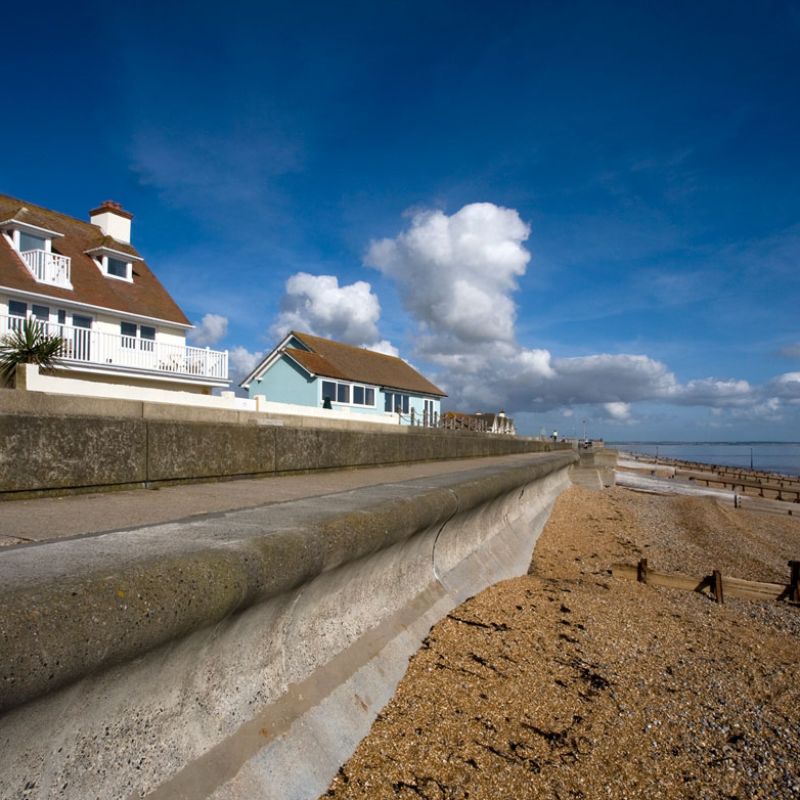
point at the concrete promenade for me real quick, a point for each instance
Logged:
(48, 518)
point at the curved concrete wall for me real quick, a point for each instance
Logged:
(246, 654)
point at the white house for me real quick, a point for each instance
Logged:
(87, 284)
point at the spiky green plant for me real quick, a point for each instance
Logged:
(29, 344)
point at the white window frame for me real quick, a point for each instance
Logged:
(102, 263)
(352, 385)
(137, 341)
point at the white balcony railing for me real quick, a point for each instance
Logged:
(49, 268)
(110, 350)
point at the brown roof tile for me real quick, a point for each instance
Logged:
(335, 360)
(145, 296)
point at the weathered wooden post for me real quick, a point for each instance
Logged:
(717, 583)
(794, 581)
(641, 571)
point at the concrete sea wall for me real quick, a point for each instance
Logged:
(50, 444)
(244, 654)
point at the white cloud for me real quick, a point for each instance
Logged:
(456, 273)
(318, 305)
(384, 346)
(618, 411)
(209, 330)
(241, 362)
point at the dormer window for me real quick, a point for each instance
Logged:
(114, 263)
(119, 269)
(28, 241)
(35, 247)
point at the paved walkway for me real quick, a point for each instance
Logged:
(48, 518)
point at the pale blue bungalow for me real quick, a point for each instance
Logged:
(305, 370)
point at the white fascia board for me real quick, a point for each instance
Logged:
(26, 227)
(102, 309)
(415, 392)
(109, 251)
(133, 372)
(266, 362)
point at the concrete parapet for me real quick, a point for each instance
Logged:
(196, 659)
(50, 447)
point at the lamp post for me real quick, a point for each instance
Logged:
(584, 430)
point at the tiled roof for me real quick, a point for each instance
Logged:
(145, 296)
(335, 360)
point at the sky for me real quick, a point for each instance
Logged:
(569, 211)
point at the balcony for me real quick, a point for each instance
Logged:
(145, 357)
(50, 268)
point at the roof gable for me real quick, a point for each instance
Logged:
(145, 296)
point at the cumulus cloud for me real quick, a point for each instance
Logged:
(785, 387)
(456, 273)
(317, 304)
(209, 330)
(241, 362)
(618, 411)
(383, 346)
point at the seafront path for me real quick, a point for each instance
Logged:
(48, 518)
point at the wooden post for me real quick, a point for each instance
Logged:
(794, 581)
(641, 571)
(717, 578)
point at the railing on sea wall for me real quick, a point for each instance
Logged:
(99, 348)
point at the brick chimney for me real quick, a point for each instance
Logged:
(113, 220)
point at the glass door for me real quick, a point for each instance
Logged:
(82, 338)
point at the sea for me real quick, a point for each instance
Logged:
(780, 457)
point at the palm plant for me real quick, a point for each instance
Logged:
(28, 344)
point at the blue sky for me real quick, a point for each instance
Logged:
(569, 210)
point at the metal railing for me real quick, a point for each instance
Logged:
(49, 268)
(98, 348)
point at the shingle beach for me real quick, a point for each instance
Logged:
(571, 683)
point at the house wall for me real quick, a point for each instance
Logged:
(102, 321)
(285, 382)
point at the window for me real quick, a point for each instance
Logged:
(394, 401)
(117, 268)
(17, 309)
(351, 394)
(128, 331)
(141, 336)
(147, 335)
(41, 313)
(113, 266)
(28, 241)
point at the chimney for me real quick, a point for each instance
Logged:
(113, 220)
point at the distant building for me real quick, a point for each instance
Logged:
(305, 370)
(480, 421)
(85, 282)
(496, 423)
